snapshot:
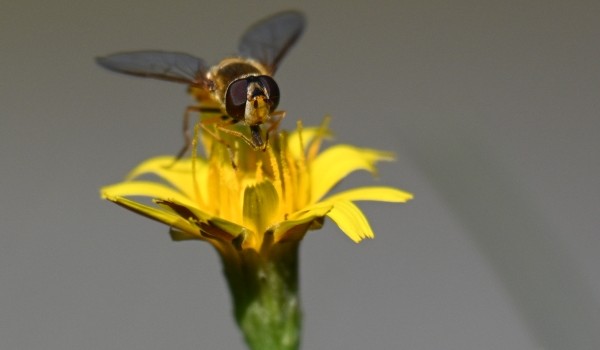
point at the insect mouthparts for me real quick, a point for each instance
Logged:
(256, 138)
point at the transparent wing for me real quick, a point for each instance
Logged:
(268, 40)
(171, 66)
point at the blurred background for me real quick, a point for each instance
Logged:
(492, 108)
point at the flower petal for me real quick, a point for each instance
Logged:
(337, 162)
(381, 194)
(210, 225)
(178, 236)
(285, 229)
(145, 189)
(314, 210)
(157, 214)
(351, 221)
(178, 172)
(260, 204)
(294, 230)
(227, 226)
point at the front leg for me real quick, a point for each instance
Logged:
(187, 137)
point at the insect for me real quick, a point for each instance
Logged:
(238, 89)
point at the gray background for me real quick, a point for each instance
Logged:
(491, 107)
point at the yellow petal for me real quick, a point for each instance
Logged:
(145, 189)
(211, 226)
(227, 226)
(177, 172)
(157, 214)
(337, 162)
(351, 221)
(293, 229)
(315, 210)
(381, 194)
(260, 205)
(296, 224)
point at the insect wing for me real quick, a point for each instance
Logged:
(171, 66)
(268, 40)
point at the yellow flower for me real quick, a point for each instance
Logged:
(269, 197)
(254, 207)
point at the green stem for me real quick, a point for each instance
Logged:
(264, 287)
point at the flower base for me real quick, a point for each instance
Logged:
(264, 288)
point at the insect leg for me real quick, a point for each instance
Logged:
(187, 137)
(235, 133)
(274, 125)
(220, 125)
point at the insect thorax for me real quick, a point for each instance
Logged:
(229, 70)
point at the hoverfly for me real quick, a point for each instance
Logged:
(238, 89)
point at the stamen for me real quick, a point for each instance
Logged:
(316, 144)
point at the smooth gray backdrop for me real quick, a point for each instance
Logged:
(492, 108)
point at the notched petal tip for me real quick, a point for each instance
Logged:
(351, 220)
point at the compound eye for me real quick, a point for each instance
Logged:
(235, 99)
(272, 89)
